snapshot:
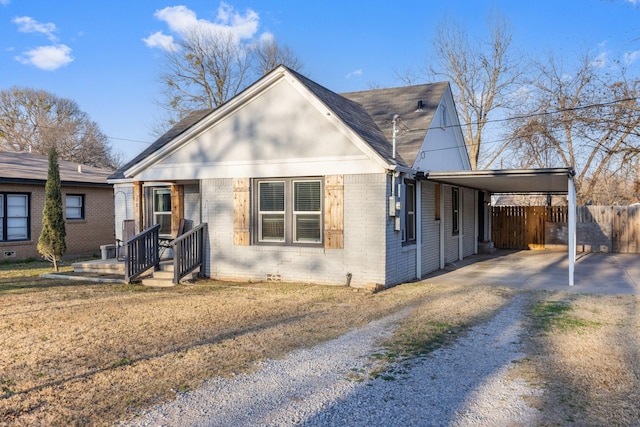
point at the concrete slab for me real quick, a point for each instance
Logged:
(598, 273)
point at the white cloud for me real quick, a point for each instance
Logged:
(521, 94)
(27, 24)
(267, 37)
(181, 20)
(631, 57)
(601, 60)
(354, 73)
(161, 41)
(4, 2)
(47, 57)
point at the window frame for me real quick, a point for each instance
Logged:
(155, 213)
(290, 214)
(4, 218)
(262, 213)
(409, 214)
(81, 197)
(455, 210)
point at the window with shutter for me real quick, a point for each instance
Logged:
(288, 211)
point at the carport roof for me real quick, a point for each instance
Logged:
(516, 181)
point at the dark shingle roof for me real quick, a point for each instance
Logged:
(180, 127)
(33, 168)
(383, 104)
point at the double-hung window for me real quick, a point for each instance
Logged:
(14, 223)
(74, 205)
(271, 211)
(289, 211)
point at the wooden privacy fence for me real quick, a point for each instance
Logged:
(598, 228)
(522, 227)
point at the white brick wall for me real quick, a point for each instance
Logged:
(364, 215)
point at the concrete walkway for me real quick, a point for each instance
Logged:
(597, 273)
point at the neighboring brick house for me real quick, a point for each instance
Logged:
(88, 209)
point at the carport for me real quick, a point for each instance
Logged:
(521, 181)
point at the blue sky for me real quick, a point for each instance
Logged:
(106, 55)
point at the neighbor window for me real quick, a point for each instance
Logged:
(289, 211)
(162, 209)
(455, 209)
(410, 212)
(74, 205)
(14, 209)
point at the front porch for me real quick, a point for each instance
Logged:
(142, 260)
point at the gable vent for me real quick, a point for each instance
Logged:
(419, 106)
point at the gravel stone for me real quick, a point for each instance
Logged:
(466, 383)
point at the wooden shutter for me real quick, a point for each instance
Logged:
(334, 212)
(241, 211)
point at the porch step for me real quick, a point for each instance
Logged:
(163, 278)
(99, 266)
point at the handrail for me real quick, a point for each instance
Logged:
(188, 252)
(142, 253)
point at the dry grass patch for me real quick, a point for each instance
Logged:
(585, 351)
(80, 353)
(439, 319)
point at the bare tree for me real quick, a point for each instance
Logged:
(209, 67)
(204, 71)
(269, 54)
(483, 76)
(35, 121)
(586, 118)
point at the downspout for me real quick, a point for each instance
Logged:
(418, 213)
(460, 224)
(396, 173)
(476, 227)
(393, 156)
(394, 121)
(442, 228)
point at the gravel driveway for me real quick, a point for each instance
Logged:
(463, 384)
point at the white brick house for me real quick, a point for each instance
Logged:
(298, 183)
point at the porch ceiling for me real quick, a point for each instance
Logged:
(520, 181)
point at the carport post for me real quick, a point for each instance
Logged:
(571, 196)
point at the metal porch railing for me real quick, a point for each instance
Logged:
(142, 253)
(188, 252)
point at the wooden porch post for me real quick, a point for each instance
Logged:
(138, 206)
(177, 208)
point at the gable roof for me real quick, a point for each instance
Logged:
(28, 168)
(414, 122)
(368, 114)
